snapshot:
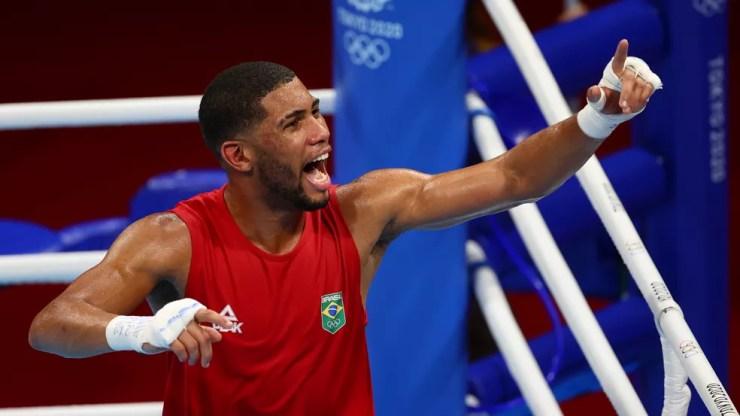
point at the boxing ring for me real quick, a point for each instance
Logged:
(683, 358)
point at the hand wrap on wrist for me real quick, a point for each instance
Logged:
(129, 333)
(599, 125)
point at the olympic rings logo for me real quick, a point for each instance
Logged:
(368, 5)
(709, 8)
(366, 51)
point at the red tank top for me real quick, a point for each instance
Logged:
(297, 346)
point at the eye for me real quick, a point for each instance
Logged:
(316, 113)
(293, 124)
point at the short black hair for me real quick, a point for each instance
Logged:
(231, 102)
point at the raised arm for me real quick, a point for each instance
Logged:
(401, 199)
(149, 259)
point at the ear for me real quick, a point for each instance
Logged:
(238, 155)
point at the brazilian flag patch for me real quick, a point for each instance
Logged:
(332, 312)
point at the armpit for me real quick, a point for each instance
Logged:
(163, 293)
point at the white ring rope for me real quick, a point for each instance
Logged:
(509, 338)
(559, 278)
(605, 201)
(676, 393)
(46, 267)
(122, 409)
(116, 112)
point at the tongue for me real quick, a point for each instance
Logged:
(319, 179)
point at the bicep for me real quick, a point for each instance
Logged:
(388, 202)
(456, 196)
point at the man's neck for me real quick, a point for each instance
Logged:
(275, 232)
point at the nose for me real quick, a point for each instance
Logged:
(319, 131)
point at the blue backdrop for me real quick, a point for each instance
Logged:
(399, 71)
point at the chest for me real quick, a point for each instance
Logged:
(272, 301)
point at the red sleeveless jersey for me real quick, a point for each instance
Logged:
(297, 345)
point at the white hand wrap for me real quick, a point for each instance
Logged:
(641, 69)
(599, 125)
(129, 333)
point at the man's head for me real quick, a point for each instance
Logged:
(266, 128)
(231, 102)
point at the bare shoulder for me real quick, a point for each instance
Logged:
(371, 203)
(152, 251)
(381, 185)
(158, 227)
(158, 243)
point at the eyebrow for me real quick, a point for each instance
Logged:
(297, 113)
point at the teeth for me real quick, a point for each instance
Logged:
(320, 158)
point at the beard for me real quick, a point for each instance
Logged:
(284, 190)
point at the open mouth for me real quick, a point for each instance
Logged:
(315, 172)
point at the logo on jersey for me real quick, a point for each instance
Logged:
(332, 312)
(236, 326)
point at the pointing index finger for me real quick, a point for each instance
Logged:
(620, 56)
(211, 316)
